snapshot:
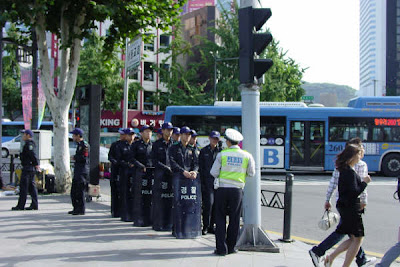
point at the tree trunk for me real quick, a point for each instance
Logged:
(61, 149)
(59, 103)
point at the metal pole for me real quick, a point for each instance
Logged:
(11, 168)
(287, 214)
(126, 89)
(252, 237)
(35, 95)
(215, 79)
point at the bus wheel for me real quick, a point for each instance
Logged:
(391, 165)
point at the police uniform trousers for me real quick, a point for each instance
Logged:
(78, 192)
(162, 198)
(208, 207)
(126, 197)
(187, 207)
(141, 189)
(228, 201)
(114, 185)
(27, 185)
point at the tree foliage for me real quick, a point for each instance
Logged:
(12, 99)
(183, 83)
(282, 81)
(96, 68)
(72, 21)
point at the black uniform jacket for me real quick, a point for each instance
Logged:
(206, 160)
(183, 159)
(28, 156)
(141, 154)
(159, 154)
(81, 158)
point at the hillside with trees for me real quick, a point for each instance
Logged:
(329, 91)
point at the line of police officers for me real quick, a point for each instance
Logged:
(170, 184)
(158, 183)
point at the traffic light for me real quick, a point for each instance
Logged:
(251, 42)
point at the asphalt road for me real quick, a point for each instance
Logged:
(381, 220)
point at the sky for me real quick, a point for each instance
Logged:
(321, 35)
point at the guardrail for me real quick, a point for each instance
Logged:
(11, 167)
(276, 202)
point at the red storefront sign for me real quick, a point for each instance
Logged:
(136, 119)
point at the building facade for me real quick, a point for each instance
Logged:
(379, 47)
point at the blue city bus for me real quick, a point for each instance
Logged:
(10, 129)
(309, 138)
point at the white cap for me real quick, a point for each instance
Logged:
(233, 135)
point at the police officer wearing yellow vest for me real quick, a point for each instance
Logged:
(230, 169)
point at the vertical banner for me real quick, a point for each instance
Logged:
(26, 88)
(41, 101)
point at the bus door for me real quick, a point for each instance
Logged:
(307, 144)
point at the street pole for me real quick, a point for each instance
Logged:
(252, 237)
(215, 79)
(35, 95)
(126, 89)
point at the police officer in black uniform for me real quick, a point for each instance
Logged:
(141, 186)
(206, 160)
(30, 164)
(126, 175)
(162, 195)
(187, 191)
(176, 135)
(81, 172)
(114, 179)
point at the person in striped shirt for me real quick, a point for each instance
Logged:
(317, 252)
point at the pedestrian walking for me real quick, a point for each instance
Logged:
(230, 168)
(126, 175)
(317, 252)
(394, 252)
(206, 160)
(113, 157)
(390, 256)
(81, 171)
(187, 191)
(350, 186)
(162, 195)
(143, 177)
(30, 164)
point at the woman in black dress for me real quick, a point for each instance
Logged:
(350, 186)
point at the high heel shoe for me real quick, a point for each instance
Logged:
(327, 261)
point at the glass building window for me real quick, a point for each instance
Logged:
(148, 100)
(148, 71)
(164, 40)
(149, 45)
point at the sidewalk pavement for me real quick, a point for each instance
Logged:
(51, 237)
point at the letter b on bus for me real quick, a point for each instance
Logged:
(271, 157)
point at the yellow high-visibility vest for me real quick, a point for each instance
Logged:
(234, 162)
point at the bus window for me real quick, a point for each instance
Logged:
(391, 134)
(205, 124)
(377, 134)
(343, 129)
(272, 126)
